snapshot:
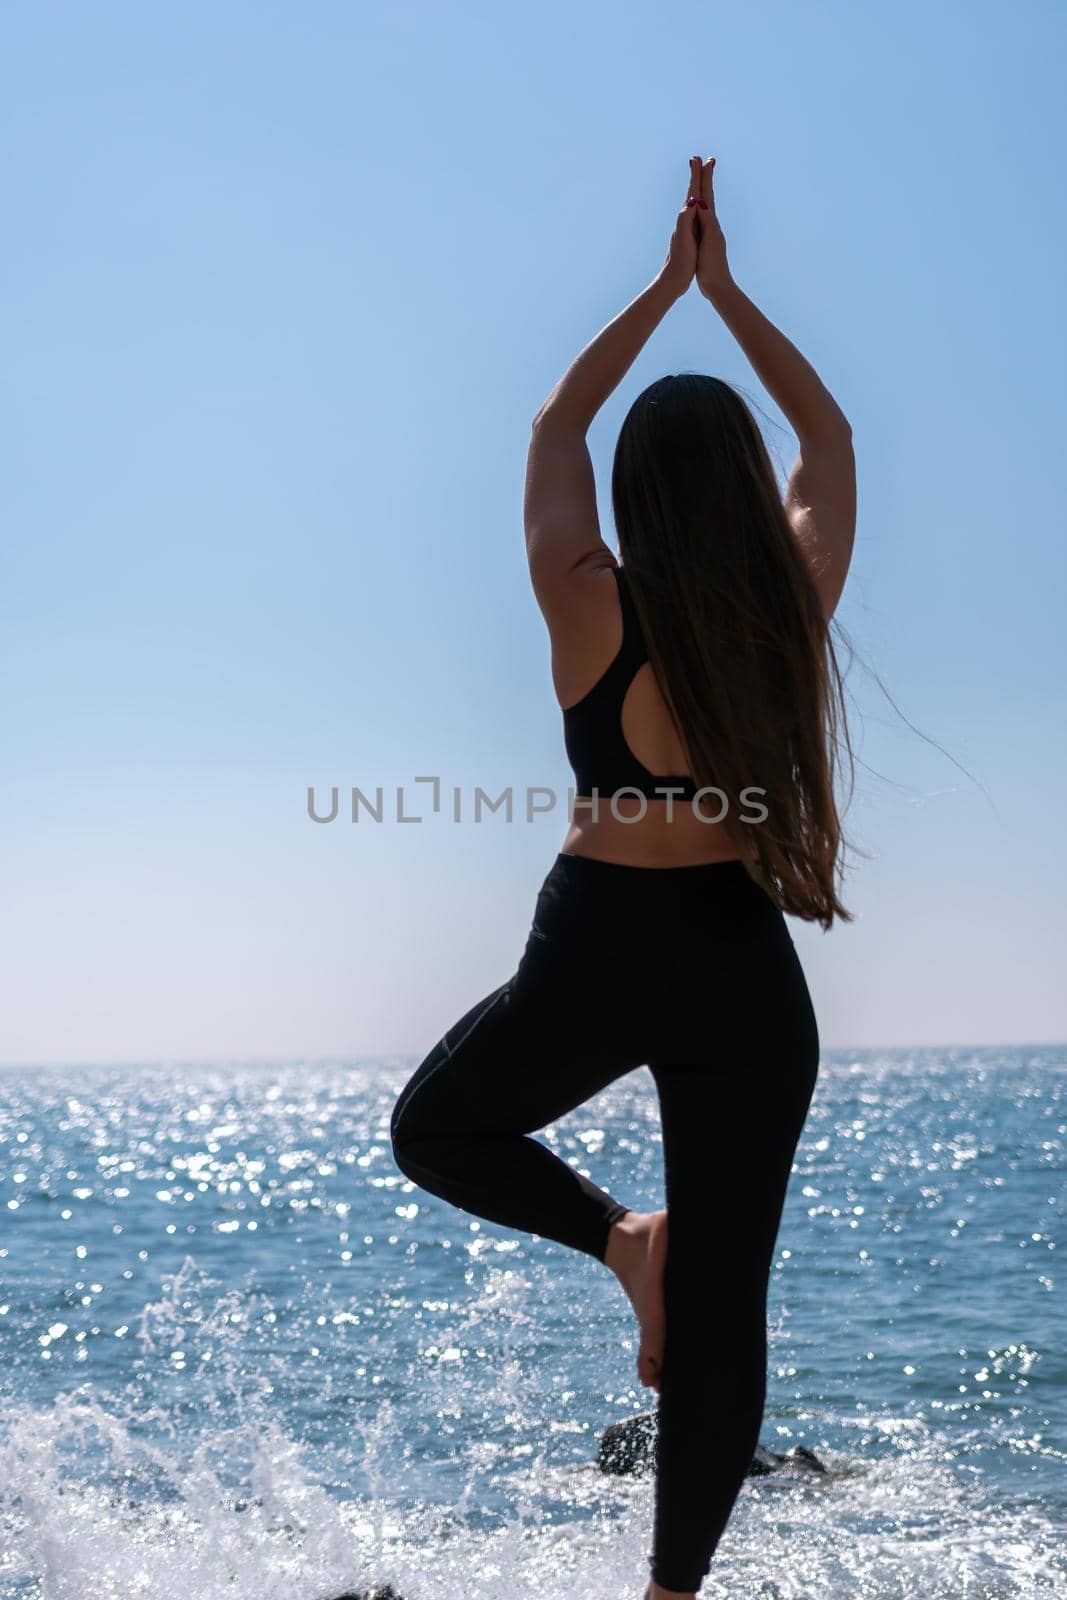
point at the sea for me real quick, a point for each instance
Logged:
(242, 1356)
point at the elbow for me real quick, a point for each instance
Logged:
(831, 429)
(561, 417)
(828, 419)
(543, 410)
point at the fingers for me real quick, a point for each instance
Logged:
(706, 174)
(693, 195)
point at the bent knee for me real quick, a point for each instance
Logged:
(400, 1130)
(411, 1138)
(420, 1160)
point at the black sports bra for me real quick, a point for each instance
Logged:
(592, 729)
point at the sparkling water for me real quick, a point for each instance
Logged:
(242, 1356)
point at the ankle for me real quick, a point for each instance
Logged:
(623, 1237)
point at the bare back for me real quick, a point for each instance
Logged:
(634, 830)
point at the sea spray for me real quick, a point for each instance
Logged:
(243, 1356)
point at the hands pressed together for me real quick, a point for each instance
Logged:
(697, 248)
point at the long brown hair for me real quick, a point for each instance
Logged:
(736, 633)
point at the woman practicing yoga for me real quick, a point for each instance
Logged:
(703, 716)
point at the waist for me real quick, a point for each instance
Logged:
(716, 898)
(656, 835)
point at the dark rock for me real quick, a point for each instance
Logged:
(387, 1593)
(799, 1455)
(628, 1449)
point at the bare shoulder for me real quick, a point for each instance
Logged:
(583, 614)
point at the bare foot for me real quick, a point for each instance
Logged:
(637, 1253)
(654, 1592)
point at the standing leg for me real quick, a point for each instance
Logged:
(730, 1131)
(460, 1127)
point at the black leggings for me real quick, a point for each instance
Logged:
(692, 972)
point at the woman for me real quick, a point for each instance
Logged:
(702, 707)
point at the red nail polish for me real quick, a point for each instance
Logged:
(703, 204)
(690, 201)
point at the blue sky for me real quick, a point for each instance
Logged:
(285, 286)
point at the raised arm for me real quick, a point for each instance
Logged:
(820, 500)
(562, 528)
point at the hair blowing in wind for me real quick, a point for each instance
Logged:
(736, 633)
